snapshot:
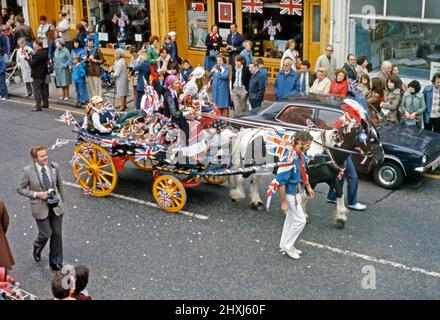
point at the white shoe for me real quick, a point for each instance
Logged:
(331, 201)
(297, 251)
(293, 254)
(358, 206)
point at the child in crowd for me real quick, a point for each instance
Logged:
(364, 85)
(81, 281)
(263, 71)
(3, 87)
(186, 70)
(79, 79)
(413, 106)
(93, 35)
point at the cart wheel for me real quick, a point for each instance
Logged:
(144, 165)
(94, 170)
(17, 79)
(169, 194)
(215, 180)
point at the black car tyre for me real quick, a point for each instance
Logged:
(389, 175)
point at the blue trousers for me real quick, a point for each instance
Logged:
(81, 93)
(352, 184)
(139, 96)
(3, 88)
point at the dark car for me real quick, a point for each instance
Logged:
(409, 152)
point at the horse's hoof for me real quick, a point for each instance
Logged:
(340, 224)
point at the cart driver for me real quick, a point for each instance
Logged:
(96, 121)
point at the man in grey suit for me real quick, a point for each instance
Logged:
(38, 178)
(327, 61)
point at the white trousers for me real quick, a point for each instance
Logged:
(294, 223)
(94, 86)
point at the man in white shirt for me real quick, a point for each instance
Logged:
(240, 86)
(307, 78)
(41, 181)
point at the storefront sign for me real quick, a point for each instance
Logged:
(435, 68)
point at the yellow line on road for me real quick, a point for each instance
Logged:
(433, 176)
(51, 106)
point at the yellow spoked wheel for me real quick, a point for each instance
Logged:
(144, 165)
(169, 193)
(215, 180)
(94, 170)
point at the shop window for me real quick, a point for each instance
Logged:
(432, 9)
(358, 6)
(272, 46)
(135, 29)
(224, 17)
(412, 46)
(316, 36)
(405, 8)
(296, 115)
(67, 6)
(197, 21)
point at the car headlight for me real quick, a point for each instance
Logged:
(424, 160)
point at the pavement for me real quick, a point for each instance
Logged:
(218, 249)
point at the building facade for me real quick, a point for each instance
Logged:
(309, 24)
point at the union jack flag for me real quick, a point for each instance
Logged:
(252, 6)
(107, 143)
(142, 154)
(75, 159)
(291, 7)
(103, 159)
(164, 199)
(77, 179)
(67, 118)
(273, 188)
(87, 150)
(87, 192)
(59, 143)
(280, 145)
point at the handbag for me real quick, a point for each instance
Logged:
(213, 54)
(50, 69)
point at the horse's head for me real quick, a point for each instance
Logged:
(362, 137)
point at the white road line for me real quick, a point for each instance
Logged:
(150, 204)
(371, 259)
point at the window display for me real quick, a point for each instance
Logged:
(124, 24)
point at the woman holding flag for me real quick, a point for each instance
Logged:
(291, 179)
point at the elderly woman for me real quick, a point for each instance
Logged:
(61, 62)
(22, 63)
(247, 52)
(119, 73)
(322, 83)
(385, 73)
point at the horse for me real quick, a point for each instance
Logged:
(334, 146)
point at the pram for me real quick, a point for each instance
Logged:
(24, 295)
(12, 70)
(106, 79)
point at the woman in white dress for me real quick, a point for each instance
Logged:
(23, 65)
(290, 53)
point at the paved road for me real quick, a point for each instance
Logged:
(138, 252)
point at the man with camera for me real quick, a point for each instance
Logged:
(42, 184)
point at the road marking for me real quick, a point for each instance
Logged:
(51, 107)
(371, 259)
(150, 204)
(433, 176)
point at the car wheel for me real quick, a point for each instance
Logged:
(389, 175)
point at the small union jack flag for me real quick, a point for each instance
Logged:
(59, 144)
(103, 159)
(280, 145)
(252, 6)
(87, 150)
(291, 7)
(142, 154)
(67, 118)
(164, 199)
(87, 192)
(104, 185)
(75, 159)
(273, 188)
(77, 179)
(107, 143)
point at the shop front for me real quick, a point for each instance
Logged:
(405, 32)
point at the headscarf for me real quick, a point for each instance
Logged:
(169, 81)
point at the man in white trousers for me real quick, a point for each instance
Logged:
(291, 183)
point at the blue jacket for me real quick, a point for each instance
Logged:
(265, 75)
(172, 50)
(78, 52)
(286, 85)
(2, 67)
(82, 39)
(95, 39)
(6, 44)
(186, 74)
(79, 73)
(144, 72)
(245, 56)
(428, 93)
(257, 88)
(220, 87)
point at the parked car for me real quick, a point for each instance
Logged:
(409, 152)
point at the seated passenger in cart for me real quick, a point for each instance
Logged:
(96, 121)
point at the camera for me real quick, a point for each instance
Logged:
(52, 200)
